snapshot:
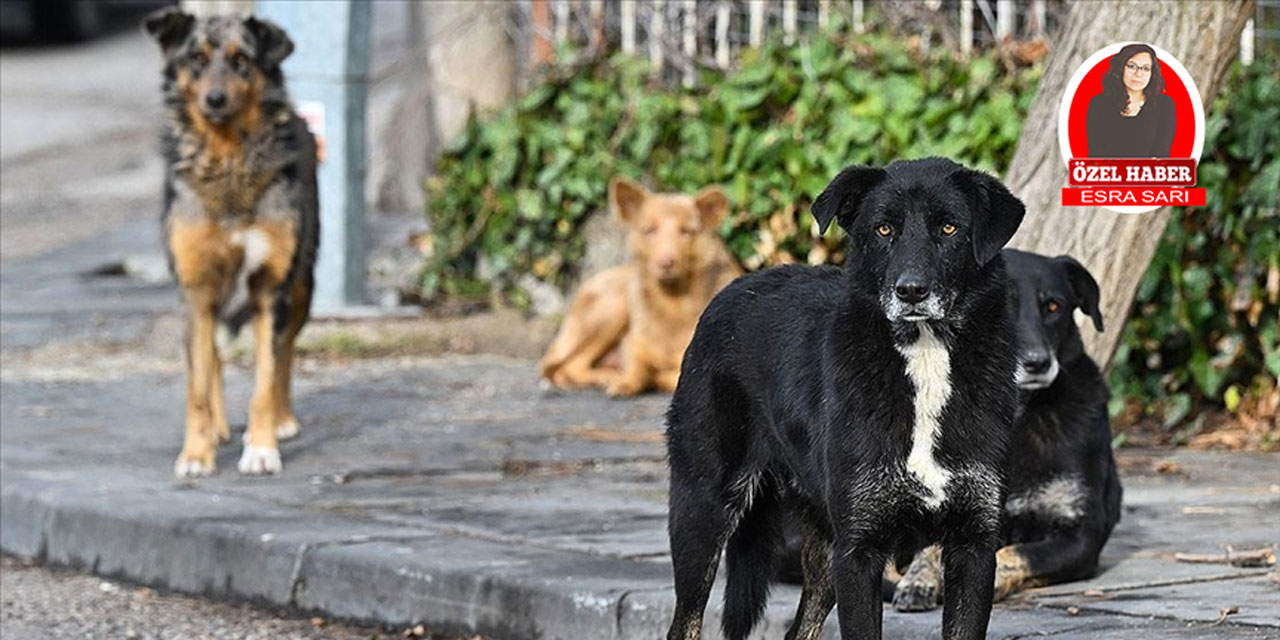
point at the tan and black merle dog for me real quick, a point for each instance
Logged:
(1064, 494)
(240, 220)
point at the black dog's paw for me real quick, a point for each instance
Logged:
(917, 595)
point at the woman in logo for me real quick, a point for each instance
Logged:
(1132, 117)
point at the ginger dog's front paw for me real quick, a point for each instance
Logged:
(623, 388)
(194, 465)
(257, 461)
(916, 594)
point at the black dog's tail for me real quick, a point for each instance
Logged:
(750, 559)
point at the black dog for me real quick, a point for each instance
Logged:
(1064, 494)
(876, 398)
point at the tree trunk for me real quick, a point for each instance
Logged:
(1116, 247)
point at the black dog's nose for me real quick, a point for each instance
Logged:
(216, 99)
(1036, 361)
(911, 289)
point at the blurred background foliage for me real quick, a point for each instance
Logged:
(511, 194)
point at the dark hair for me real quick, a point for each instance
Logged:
(1114, 93)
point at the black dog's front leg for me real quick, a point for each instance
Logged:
(858, 568)
(969, 569)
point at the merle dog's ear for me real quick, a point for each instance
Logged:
(839, 201)
(169, 27)
(996, 212)
(273, 44)
(1084, 287)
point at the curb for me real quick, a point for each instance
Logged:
(330, 565)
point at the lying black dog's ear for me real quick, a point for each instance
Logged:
(1084, 287)
(839, 201)
(274, 44)
(996, 212)
(169, 26)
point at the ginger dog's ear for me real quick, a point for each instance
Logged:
(626, 197)
(713, 207)
(840, 200)
(169, 27)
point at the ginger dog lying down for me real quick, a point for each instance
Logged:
(645, 310)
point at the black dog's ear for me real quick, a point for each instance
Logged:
(1085, 288)
(169, 26)
(996, 212)
(839, 201)
(274, 44)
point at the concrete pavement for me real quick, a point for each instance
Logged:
(453, 491)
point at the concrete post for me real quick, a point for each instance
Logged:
(328, 78)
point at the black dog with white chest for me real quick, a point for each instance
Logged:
(877, 398)
(1064, 493)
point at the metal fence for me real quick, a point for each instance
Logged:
(680, 36)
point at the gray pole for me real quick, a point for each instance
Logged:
(327, 77)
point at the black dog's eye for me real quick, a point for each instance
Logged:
(884, 230)
(948, 229)
(1052, 306)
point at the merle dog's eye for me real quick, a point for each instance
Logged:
(1052, 306)
(240, 63)
(884, 230)
(948, 229)
(199, 60)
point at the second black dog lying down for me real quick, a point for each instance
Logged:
(878, 397)
(1064, 494)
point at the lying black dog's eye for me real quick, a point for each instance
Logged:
(948, 229)
(1053, 306)
(884, 230)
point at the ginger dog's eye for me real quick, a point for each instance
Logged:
(884, 230)
(948, 229)
(1053, 306)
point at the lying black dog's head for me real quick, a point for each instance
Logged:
(919, 231)
(1045, 292)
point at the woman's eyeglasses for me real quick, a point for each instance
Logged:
(1146, 68)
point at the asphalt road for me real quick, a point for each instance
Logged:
(79, 127)
(39, 604)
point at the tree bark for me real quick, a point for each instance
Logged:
(1204, 36)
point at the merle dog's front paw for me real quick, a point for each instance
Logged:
(917, 595)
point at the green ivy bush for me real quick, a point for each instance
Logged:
(512, 192)
(1205, 329)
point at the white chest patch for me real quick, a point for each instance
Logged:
(255, 246)
(929, 368)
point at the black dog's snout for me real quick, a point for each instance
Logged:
(1036, 361)
(911, 289)
(216, 99)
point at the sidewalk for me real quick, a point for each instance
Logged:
(453, 491)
